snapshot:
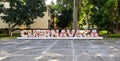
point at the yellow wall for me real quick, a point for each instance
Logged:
(2, 24)
(39, 23)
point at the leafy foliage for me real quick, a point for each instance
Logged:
(64, 12)
(106, 15)
(65, 18)
(85, 12)
(22, 12)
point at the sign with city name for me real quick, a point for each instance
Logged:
(65, 34)
(58, 33)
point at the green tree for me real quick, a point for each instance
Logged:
(64, 13)
(85, 12)
(65, 19)
(106, 15)
(22, 12)
(68, 3)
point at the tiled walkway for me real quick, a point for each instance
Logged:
(60, 50)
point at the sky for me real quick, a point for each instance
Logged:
(49, 1)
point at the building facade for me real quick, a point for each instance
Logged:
(40, 23)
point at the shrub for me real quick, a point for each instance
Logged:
(103, 32)
(16, 34)
(3, 35)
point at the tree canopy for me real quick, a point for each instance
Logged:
(64, 11)
(106, 15)
(22, 12)
(103, 14)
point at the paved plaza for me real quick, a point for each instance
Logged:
(60, 50)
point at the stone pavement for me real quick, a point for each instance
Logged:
(60, 50)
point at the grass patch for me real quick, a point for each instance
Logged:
(114, 35)
(14, 35)
(4, 37)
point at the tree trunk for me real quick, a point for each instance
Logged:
(88, 22)
(117, 28)
(9, 30)
(75, 16)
